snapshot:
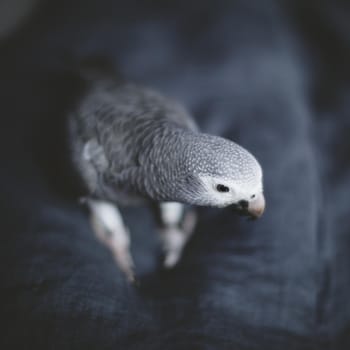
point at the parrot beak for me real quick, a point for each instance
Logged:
(256, 207)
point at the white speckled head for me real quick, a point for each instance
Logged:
(227, 173)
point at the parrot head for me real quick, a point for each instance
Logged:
(223, 174)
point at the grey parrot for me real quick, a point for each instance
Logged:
(131, 145)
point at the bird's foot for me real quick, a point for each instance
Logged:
(173, 240)
(109, 228)
(123, 259)
(175, 237)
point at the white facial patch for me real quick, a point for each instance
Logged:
(213, 195)
(235, 193)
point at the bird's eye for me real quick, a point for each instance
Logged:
(222, 188)
(252, 196)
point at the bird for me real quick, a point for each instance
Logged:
(131, 145)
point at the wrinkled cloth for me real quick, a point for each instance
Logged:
(270, 75)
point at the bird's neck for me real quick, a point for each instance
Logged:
(165, 163)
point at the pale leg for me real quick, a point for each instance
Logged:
(109, 228)
(176, 228)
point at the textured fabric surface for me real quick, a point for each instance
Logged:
(271, 75)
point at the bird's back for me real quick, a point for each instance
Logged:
(112, 123)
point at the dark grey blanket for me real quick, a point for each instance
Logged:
(271, 75)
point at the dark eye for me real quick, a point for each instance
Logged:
(222, 188)
(252, 196)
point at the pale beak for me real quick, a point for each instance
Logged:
(256, 207)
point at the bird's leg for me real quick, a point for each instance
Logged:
(109, 228)
(176, 227)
